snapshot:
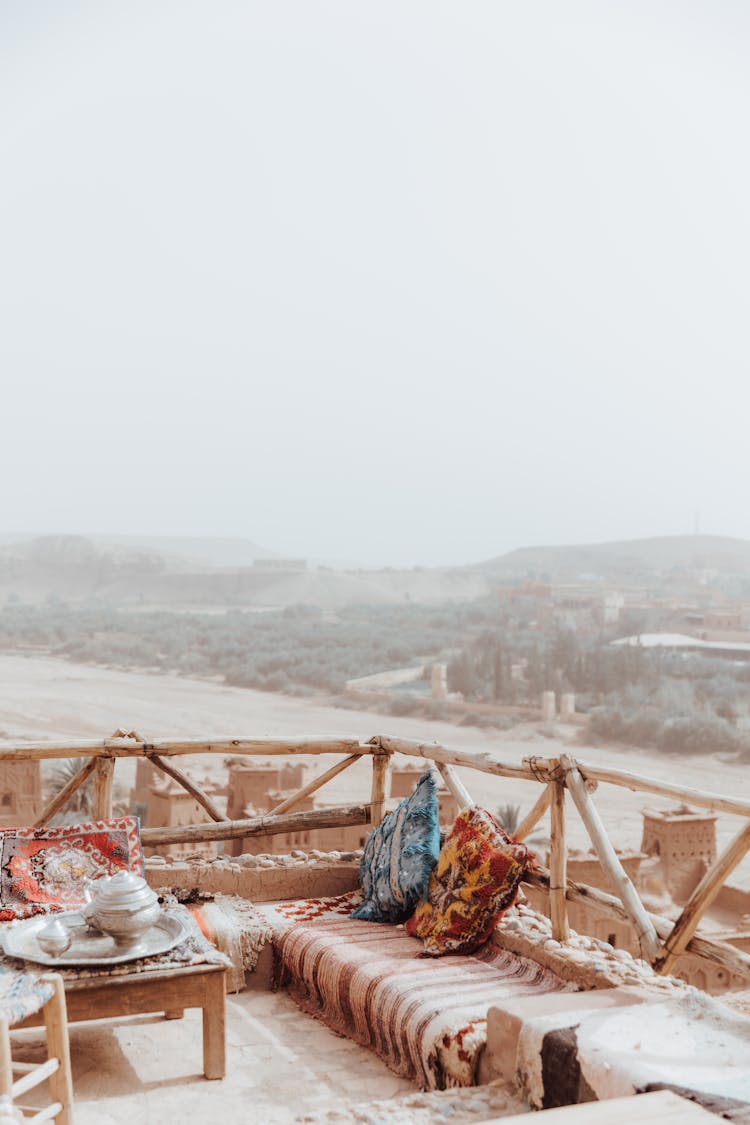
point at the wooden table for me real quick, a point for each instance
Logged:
(164, 990)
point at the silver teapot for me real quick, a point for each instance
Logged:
(123, 906)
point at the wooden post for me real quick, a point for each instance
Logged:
(558, 863)
(456, 786)
(701, 898)
(381, 785)
(61, 799)
(535, 813)
(103, 775)
(644, 927)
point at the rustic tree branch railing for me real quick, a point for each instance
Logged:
(662, 941)
(258, 826)
(182, 779)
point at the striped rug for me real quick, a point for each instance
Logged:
(425, 1017)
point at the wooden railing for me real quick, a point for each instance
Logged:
(660, 940)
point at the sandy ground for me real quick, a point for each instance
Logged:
(147, 1071)
(53, 699)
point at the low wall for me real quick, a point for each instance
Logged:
(260, 878)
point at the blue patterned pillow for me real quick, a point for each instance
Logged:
(399, 856)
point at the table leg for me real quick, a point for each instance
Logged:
(214, 1061)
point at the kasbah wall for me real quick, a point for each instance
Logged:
(677, 848)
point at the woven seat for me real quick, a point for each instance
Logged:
(23, 995)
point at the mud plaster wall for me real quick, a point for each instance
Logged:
(260, 879)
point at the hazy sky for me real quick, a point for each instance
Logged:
(396, 282)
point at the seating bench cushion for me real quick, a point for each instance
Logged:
(425, 1018)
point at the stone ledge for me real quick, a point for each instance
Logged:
(506, 1021)
(588, 962)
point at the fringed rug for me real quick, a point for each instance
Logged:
(425, 1017)
(236, 928)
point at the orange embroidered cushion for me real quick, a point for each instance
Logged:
(44, 870)
(475, 879)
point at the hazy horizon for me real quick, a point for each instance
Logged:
(223, 555)
(402, 285)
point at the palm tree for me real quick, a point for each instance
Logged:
(510, 817)
(80, 804)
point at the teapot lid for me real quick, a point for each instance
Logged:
(124, 891)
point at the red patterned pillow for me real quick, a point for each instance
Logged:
(475, 879)
(43, 870)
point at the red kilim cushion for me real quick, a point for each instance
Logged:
(475, 879)
(43, 870)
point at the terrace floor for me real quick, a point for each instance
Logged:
(281, 1064)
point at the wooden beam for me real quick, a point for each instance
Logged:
(127, 748)
(644, 927)
(638, 783)
(335, 817)
(535, 813)
(720, 952)
(61, 799)
(103, 777)
(271, 747)
(381, 785)
(460, 793)
(701, 898)
(433, 751)
(314, 785)
(194, 790)
(558, 863)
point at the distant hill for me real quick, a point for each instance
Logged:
(154, 571)
(626, 560)
(133, 572)
(180, 550)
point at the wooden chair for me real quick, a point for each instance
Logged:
(45, 995)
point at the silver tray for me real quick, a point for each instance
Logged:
(89, 947)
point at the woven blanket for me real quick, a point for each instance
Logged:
(21, 994)
(279, 916)
(425, 1018)
(237, 929)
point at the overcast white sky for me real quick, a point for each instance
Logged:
(397, 282)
